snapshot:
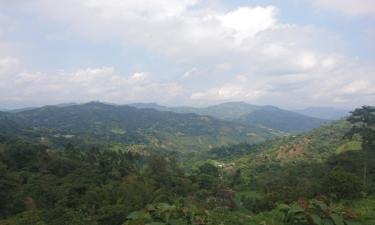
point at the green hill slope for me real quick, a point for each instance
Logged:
(278, 119)
(224, 111)
(130, 125)
(247, 114)
(314, 146)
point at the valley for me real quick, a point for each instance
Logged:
(98, 163)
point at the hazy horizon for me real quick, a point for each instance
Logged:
(291, 54)
(167, 105)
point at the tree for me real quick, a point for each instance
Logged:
(342, 184)
(208, 176)
(8, 186)
(209, 169)
(363, 121)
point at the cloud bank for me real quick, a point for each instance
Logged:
(245, 53)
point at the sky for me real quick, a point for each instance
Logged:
(289, 53)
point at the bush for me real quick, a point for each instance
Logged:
(342, 184)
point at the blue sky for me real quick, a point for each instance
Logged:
(289, 53)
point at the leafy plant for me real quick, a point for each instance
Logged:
(165, 214)
(316, 212)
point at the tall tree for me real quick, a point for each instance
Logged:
(363, 121)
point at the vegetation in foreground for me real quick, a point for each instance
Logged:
(326, 176)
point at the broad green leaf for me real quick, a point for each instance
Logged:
(177, 222)
(150, 207)
(337, 219)
(139, 215)
(322, 205)
(295, 208)
(352, 223)
(316, 219)
(327, 222)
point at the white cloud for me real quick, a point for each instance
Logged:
(185, 32)
(91, 74)
(317, 87)
(359, 87)
(138, 77)
(169, 27)
(190, 73)
(241, 87)
(147, 8)
(241, 54)
(350, 7)
(88, 84)
(228, 92)
(246, 21)
(348, 84)
(8, 64)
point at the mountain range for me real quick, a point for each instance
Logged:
(184, 128)
(266, 116)
(97, 122)
(328, 113)
(122, 163)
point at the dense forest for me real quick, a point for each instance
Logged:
(95, 164)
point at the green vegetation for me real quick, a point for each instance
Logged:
(316, 212)
(264, 116)
(96, 123)
(89, 164)
(277, 119)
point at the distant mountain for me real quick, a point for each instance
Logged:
(225, 111)
(150, 105)
(267, 116)
(66, 104)
(21, 109)
(282, 120)
(34, 107)
(324, 112)
(130, 125)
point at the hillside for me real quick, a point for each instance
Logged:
(324, 112)
(321, 175)
(7, 125)
(313, 146)
(224, 111)
(247, 114)
(129, 125)
(324, 162)
(282, 120)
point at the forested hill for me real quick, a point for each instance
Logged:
(267, 116)
(313, 146)
(326, 176)
(8, 126)
(224, 111)
(282, 120)
(130, 125)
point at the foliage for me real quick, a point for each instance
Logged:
(244, 113)
(99, 122)
(316, 212)
(363, 120)
(98, 177)
(165, 214)
(281, 120)
(342, 184)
